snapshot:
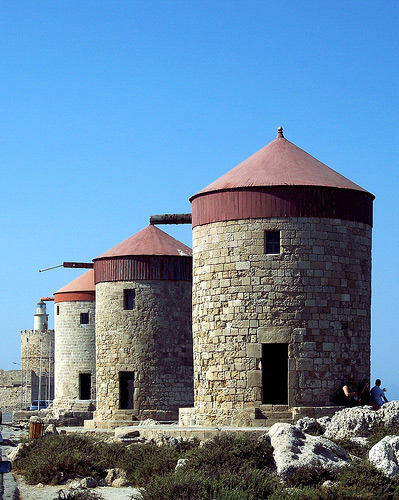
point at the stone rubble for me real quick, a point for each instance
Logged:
(389, 413)
(352, 422)
(385, 455)
(294, 449)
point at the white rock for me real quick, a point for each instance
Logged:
(13, 454)
(181, 462)
(35, 420)
(89, 482)
(323, 422)
(74, 484)
(389, 413)
(149, 421)
(293, 449)
(309, 425)
(51, 429)
(352, 422)
(385, 455)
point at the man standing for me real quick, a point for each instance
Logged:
(377, 395)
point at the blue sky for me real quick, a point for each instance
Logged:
(111, 111)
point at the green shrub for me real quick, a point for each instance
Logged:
(310, 476)
(364, 479)
(186, 484)
(55, 459)
(353, 447)
(143, 461)
(231, 452)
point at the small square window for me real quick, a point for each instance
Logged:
(272, 242)
(84, 318)
(129, 299)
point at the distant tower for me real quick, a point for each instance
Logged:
(281, 288)
(37, 358)
(40, 323)
(143, 328)
(75, 344)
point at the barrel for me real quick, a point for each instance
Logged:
(35, 430)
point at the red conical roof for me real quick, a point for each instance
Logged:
(81, 288)
(280, 163)
(148, 241)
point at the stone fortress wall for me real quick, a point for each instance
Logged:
(154, 341)
(11, 390)
(75, 353)
(314, 296)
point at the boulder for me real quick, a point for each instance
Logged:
(14, 453)
(73, 484)
(88, 482)
(112, 474)
(389, 413)
(352, 422)
(117, 478)
(149, 421)
(385, 455)
(35, 420)
(126, 433)
(293, 449)
(323, 422)
(121, 482)
(51, 429)
(181, 462)
(309, 425)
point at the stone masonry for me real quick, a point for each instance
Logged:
(37, 358)
(153, 340)
(314, 296)
(11, 390)
(75, 353)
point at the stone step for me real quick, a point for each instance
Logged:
(271, 414)
(259, 413)
(273, 408)
(271, 421)
(124, 418)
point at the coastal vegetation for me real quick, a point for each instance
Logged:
(228, 467)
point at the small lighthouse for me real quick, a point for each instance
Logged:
(40, 323)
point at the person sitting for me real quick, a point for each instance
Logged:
(377, 395)
(364, 393)
(349, 395)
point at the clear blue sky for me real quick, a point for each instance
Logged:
(111, 111)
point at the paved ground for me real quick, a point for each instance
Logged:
(8, 485)
(51, 492)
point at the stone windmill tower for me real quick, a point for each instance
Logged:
(75, 360)
(143, 328)
(281, 288)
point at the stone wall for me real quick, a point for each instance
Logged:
(75, 352)
(154, 341)
(11, 395)
(314, 296)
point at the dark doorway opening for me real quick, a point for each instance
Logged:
(84, 386)
(126, 390)
(275, 374)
